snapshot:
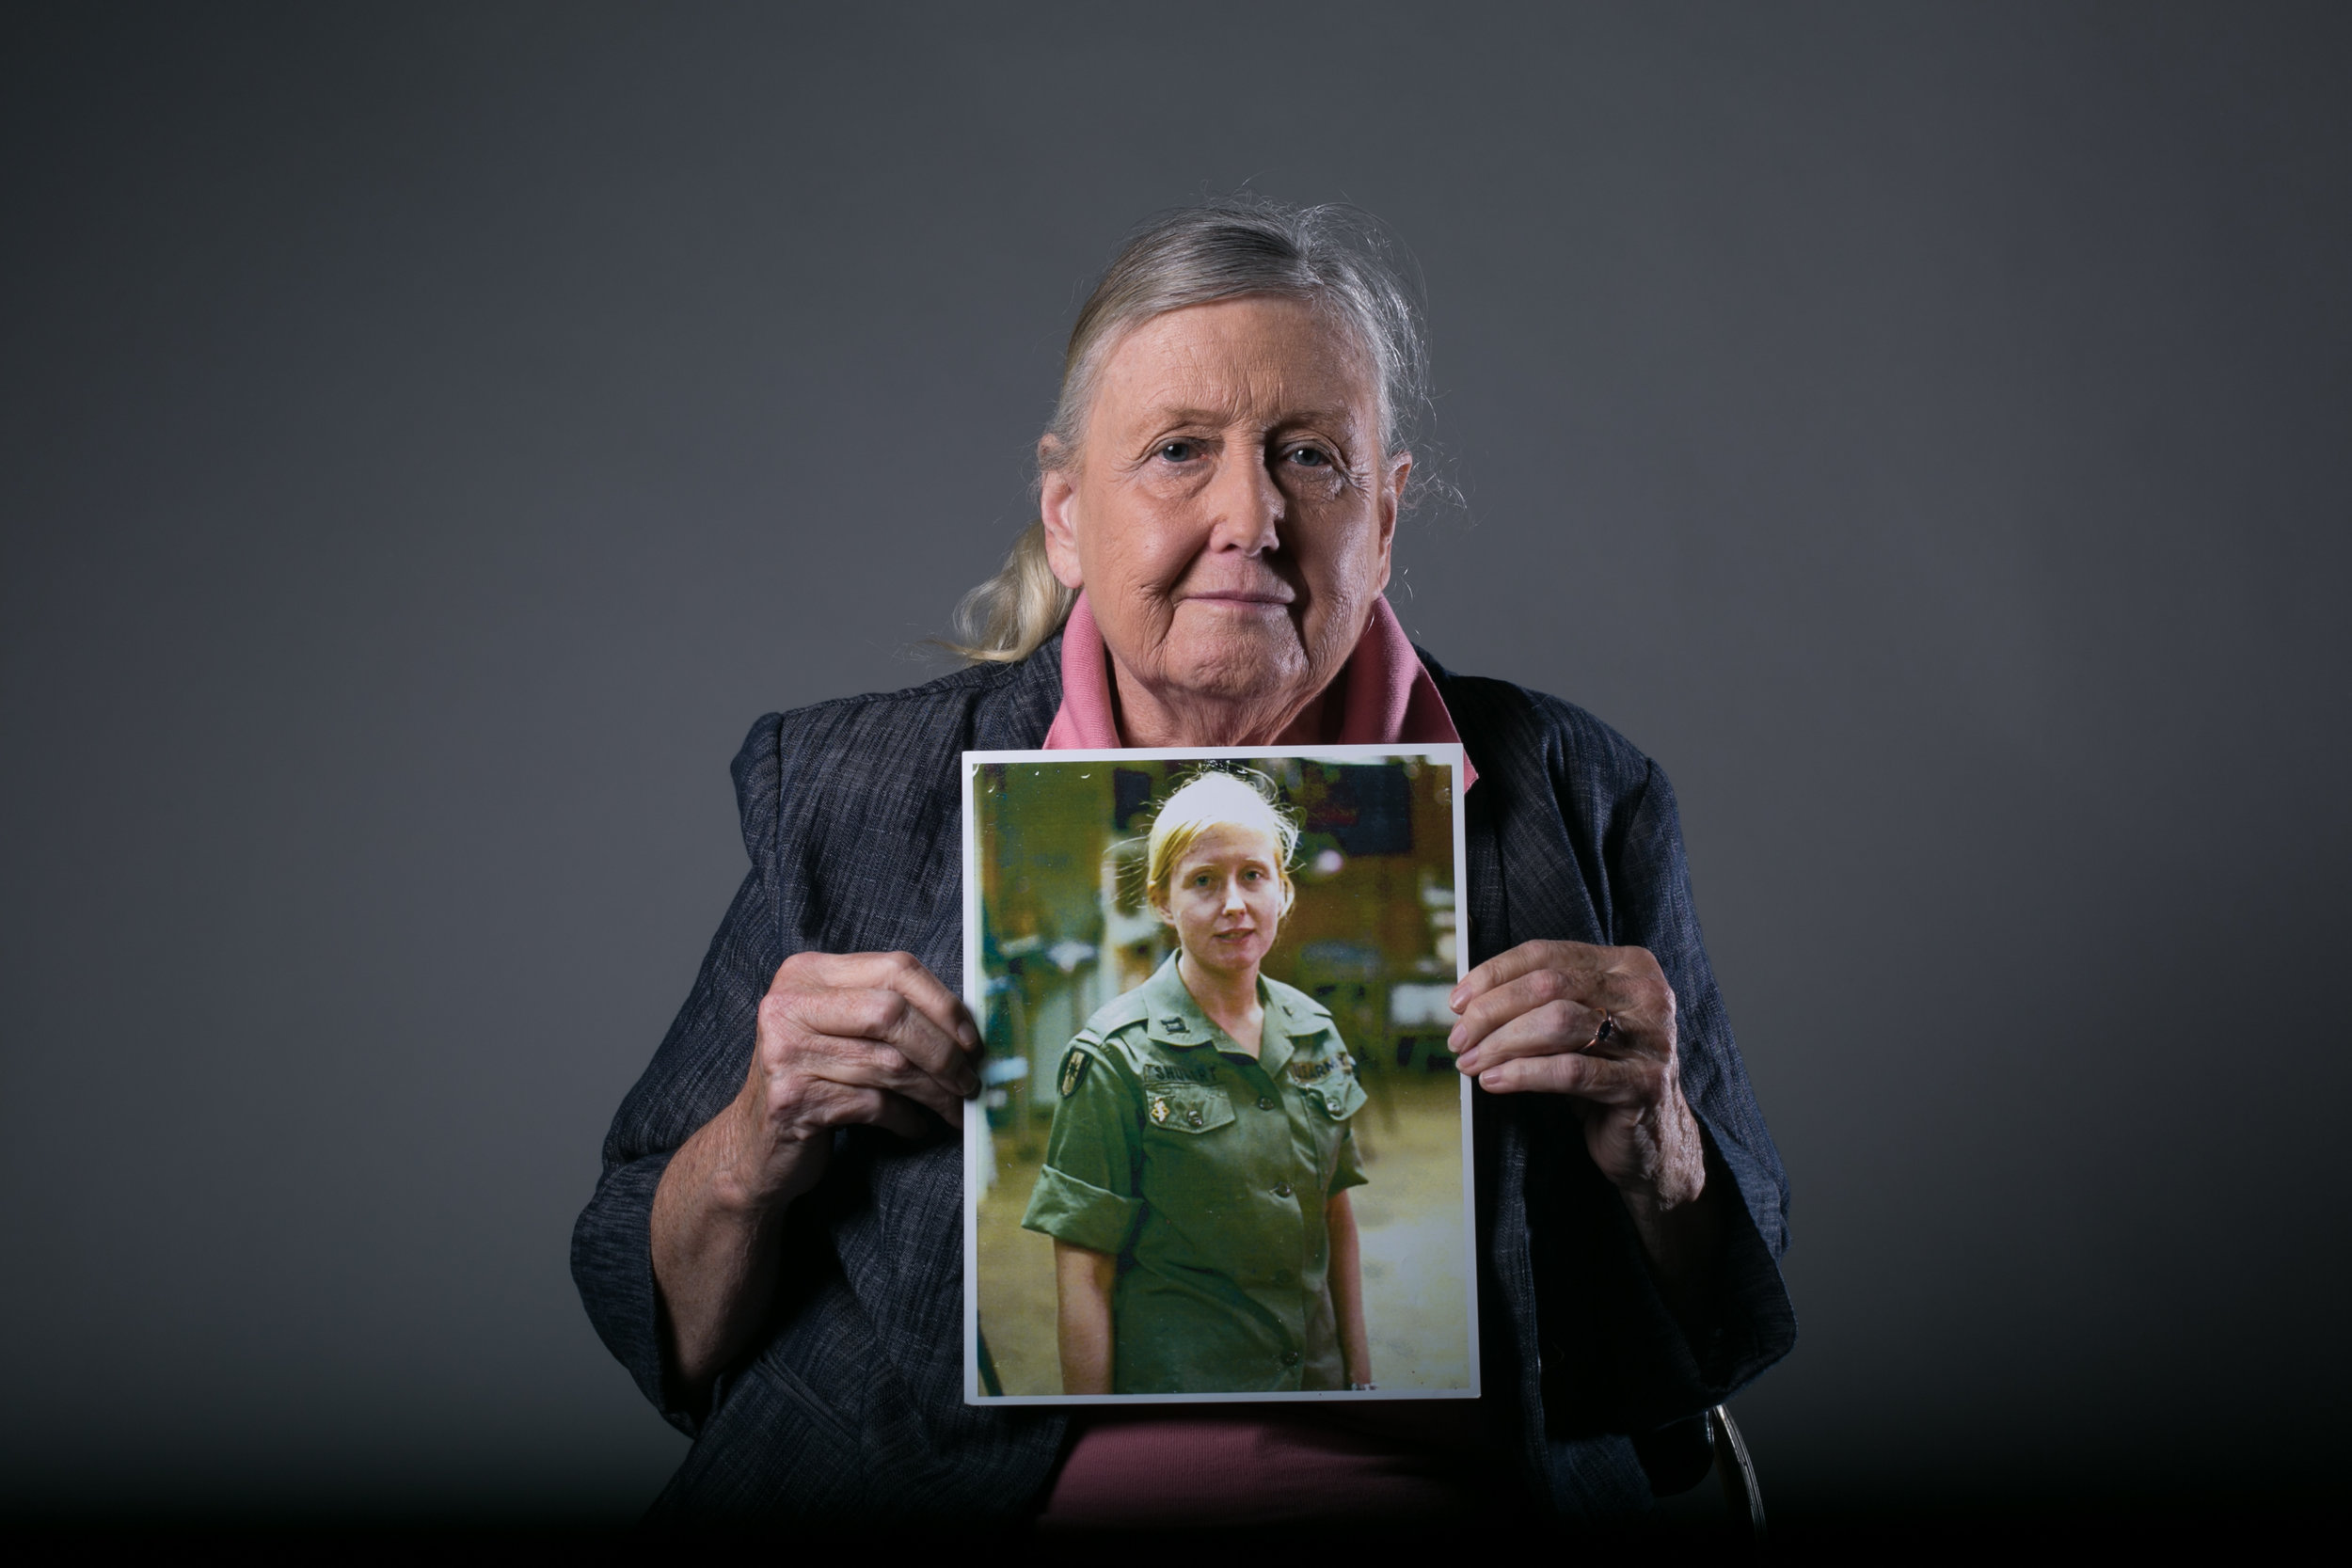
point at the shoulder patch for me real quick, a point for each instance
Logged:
(1074, 1071)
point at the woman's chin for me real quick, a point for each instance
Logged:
(1236, 662)
(1229, 957)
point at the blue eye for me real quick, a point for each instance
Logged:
(1310, 457)
(1179, 451)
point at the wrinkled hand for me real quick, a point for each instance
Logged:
(846, 1039)
(843, 1039)
(1596, 1023)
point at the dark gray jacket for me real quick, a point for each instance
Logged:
(853, 1405)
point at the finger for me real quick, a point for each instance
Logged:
(1576, 958)
(1622, 1014)
(1556, 1028)
(1517, 997)
(886, 1017)
(1564, 1026)
(826, 1064)
(900, 972)
(1601, 1079)
(845, 1023)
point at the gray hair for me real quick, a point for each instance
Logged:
(1335, 259)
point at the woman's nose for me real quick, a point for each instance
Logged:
(1246, 503)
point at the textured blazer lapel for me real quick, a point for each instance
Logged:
(1015, 716)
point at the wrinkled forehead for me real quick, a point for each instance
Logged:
(1260, 356)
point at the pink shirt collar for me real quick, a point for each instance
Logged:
(1391, 697)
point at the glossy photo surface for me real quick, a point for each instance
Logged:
(1234, 1197)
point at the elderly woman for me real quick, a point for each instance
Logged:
(772, 1251)
(1187, 1257)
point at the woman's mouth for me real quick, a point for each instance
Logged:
(1239, 599)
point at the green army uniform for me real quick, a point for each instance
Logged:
(1205, 1173)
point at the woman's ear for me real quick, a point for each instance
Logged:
(1390, 505)
(1057, 509)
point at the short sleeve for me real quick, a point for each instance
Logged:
(1087, 1192)
(1347, 1171)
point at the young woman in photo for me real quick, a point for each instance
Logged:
(1196, 1182)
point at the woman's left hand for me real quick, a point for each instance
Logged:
(1596, 1023)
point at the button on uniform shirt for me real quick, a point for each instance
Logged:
(1207, 1174)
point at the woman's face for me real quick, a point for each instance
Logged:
(1225, 898)
(1230, 515)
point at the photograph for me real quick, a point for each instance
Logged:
(1223, 1151)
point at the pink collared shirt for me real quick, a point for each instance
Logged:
(1391, 697)
(1228, 1465)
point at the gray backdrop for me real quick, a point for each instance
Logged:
(432, 435)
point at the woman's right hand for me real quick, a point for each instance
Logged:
(844, 1040)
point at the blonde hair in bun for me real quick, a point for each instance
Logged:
(1219, 798)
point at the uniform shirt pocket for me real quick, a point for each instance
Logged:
(1192, 1108)
(1339, 1097)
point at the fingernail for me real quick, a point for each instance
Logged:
(1455, 1002)
(969, 1036)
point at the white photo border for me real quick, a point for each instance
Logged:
(974, 983)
